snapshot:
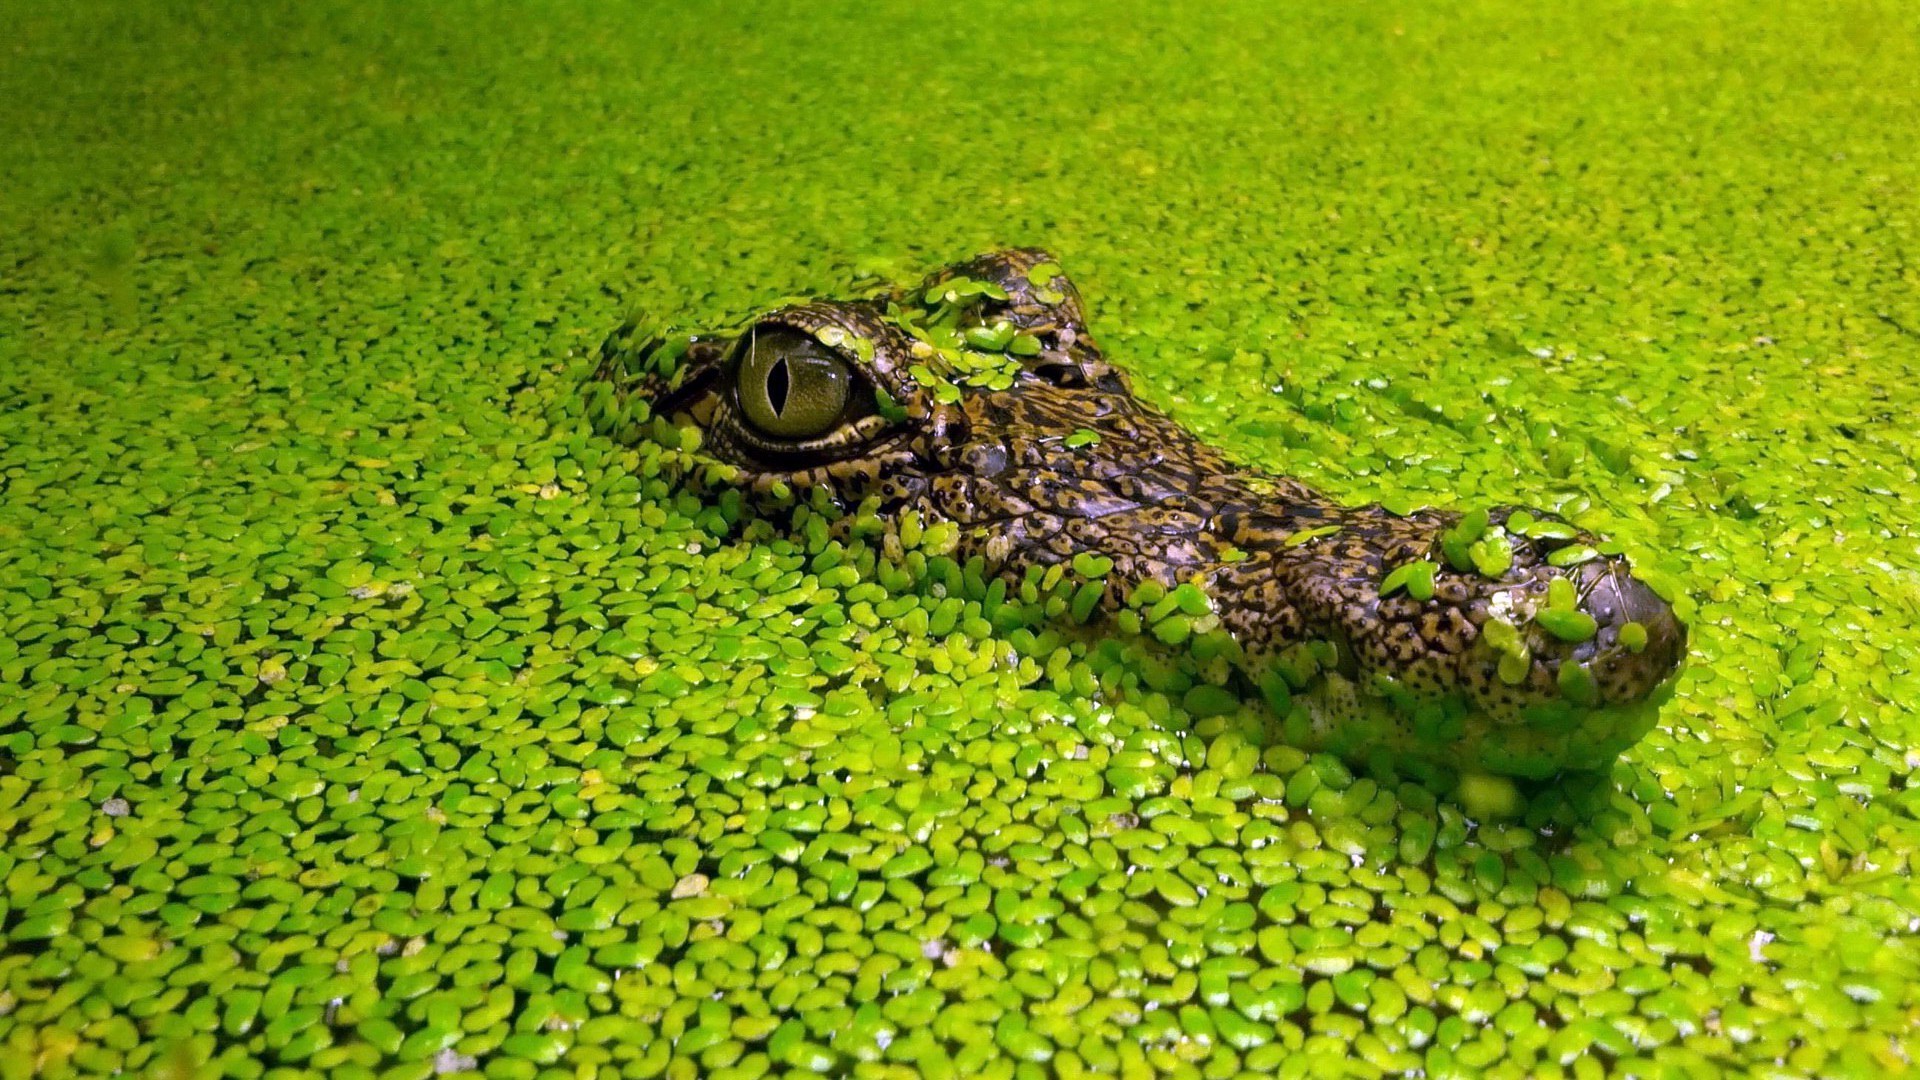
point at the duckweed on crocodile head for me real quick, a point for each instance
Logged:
(362, 713)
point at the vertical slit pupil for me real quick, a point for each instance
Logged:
(777, 386)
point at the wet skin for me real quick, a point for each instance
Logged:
(1502, 640)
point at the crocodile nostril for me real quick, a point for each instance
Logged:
(1060, 373)
(1615, 598)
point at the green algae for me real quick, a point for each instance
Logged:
(361, 714)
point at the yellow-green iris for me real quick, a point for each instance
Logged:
(791, 386)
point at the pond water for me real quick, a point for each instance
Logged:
(364, 713)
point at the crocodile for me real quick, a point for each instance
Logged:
(977, 407)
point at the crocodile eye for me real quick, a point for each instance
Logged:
(790, 386)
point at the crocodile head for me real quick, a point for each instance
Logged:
(977, 405)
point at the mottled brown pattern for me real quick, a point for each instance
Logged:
(1161, 504)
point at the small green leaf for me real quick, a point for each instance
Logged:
(992, 338)
(1415, 577)
(1471, 526)
(1546, 530)
(1577, 684)
(1567, 625)
(891, 410)
(1573, 556)
(1273, 687)
(1086, 598)
(1504, 637)
(1089, 565)
(1305, 536)
(1560, 594)
(1634, 636)
(1492, 555)
(1192, 599)
(1513, 669)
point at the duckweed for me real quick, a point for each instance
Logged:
(1415, 577)
(362, 714)
(1566, 624)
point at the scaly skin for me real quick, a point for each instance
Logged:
(1041, 454)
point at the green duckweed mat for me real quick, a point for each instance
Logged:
(360, 716)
